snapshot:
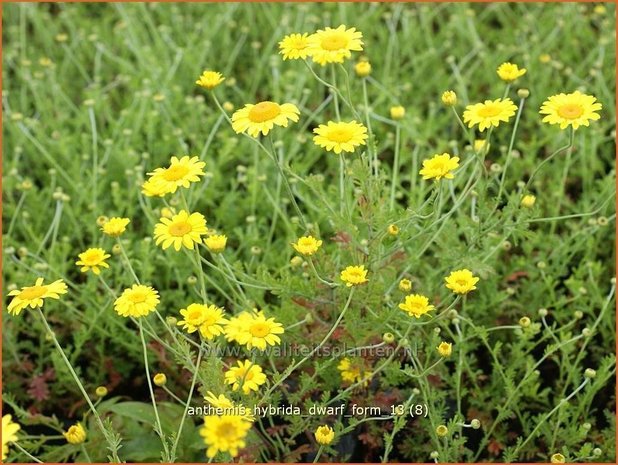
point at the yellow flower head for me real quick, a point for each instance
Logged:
(324, 435)
(416, 305)
(405, 285)
(208, 319)
(159, 379)
(93, 258)
(439, 166)
(262, 117)
(509, 72)
(354, 275)
(489, 113)
(76, 434)
(528, 201)
(33, 296)
(216, 243)
(575, 109)
(441, 430)
(181, 173)
(445, 349)
(101, 220)
(236, 325)
(481, 145)
(449, 98)
(101, 391)
(342, 136)
(9, 430)
(362, 68)
(210, 79)
(353, 371)
(258, 331)
(397, 112)
(334, 45)
(137, 301)
(307, 245)
(557, 458)
(227, 406)
(393, 229)
(115, 226)
(183, 229)
(224, 433)
(461, 281)
(294, 46)
(246, 375)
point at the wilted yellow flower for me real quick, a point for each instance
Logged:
(307, 245)
(34, 296)
(137, 301)
(461, 281)
(210, 79)
(294, 46)
(489, 113)
(92, 259)
(334, 45)
(528, 201)
(575, 109)
(262, 117)
(224, 433)
(416, 305)
(449, 98)
(557, 458)
(445, 349)
(246, 376)
(362, 68)
(76, 434)
(354, 275)
(439, 166)
(340, 136)
(115, 226)
(509, 72)
(398, 112)
(159, 379)
(216, 243)
(324, 435)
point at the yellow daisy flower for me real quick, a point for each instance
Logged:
(137, 301)
(334, 45)
(445, 349)
(461, 281)
(9, 430)
(354, 275)
(342, 136)
(33, 296)
(224, 433)
(294, 46)
(227, 406)
(307, 245)
(183, 229)
(155, 187)
(181, 173)
(575, 109)
(324, 435)
(490, 113)
(246, 375)
(439, 166)
(416, 305)
(352, 371)
(76, 434)
(216, 243)
(509, 72)
(92, 258)
(262, 117)
(207, 318)
(258, 331)
(210, 79)
(115, 226)
(236, 325)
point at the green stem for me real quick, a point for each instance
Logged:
(395, 166)
(544, 162)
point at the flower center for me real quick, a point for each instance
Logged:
(179, 229)
(340, 135)
(34, 292)
(264, 111)
(462, 282)
(175, 172)
(489, 111)
(259, 329)
(195, 317)
(334, 42)
(92, 258)
(225, 430)
(570, 111)
(138, 297)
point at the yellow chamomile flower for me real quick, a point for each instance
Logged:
(324, 435)
(183, 229)
(352, 371)
(259, 331)
(397, 112)
(441, 430)
(557, 458)
(137, 301)
(216, 243)
(445, 349)
(393, 229)
(210, 79)
(225, 406)
(341, 136)
(92, 259)
(509, 72)
(449, 98)
(180, 173)
(115, 226)
(262, 117)
(416, 305)
(461, 281)
(236, 325)
(224, 433)
(159, 379)
(528, 201)
(334, 45)
(439, 166)
(154, 187)
(294, 46)
(76, 434)
(405, 285)
(489, 113)
(307, 245)
(246, 376)
(208, 319)
(33, 296)
(362, 68)
(9, 430)
(575, 109)
(354, 275)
